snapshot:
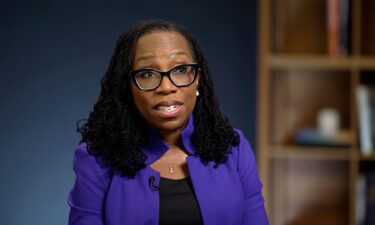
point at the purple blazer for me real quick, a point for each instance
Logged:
(227, 195)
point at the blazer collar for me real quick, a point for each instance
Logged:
(155, 147)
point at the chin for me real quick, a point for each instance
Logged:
(172, 125)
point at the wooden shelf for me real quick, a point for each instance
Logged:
(367, 158)
(367, 63)
(302, 72)
(320, 62)
(310, 153)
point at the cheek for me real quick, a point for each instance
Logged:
(140, 100)
(191, 99)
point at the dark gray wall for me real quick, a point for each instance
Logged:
(52, 57)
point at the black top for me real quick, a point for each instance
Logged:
(178, 204)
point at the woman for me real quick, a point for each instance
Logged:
(156, 149)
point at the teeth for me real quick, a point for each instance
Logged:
(167, 108)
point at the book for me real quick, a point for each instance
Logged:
(364, 116)
(344, 25)
(365, 199)
(333, 27)
(370, 199)
(371, 90)
(338, 14)
(313, 137)
(361, 198)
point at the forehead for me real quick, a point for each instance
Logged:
(161, 44)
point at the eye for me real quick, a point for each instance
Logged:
(147, 74)
(181, 69)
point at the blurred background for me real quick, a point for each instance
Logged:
(316, 107)
(53, 55)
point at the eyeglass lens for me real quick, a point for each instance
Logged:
(181, 76)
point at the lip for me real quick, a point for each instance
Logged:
(168, 114)
(168, 103)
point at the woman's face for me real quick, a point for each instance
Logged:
(167, 107)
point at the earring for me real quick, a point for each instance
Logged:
(197, 93)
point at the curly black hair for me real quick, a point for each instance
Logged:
(114, 130)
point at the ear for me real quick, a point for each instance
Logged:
(198, 79)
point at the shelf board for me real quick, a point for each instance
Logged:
(367, 62)
(320, 62)
(313, 153)
(367, 158)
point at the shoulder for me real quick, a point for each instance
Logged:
(91, 184)
(246, 165)
(243, 148)
(243, 155)
(90, 166)
(250, 182)
(82, 157)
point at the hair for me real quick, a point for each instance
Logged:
(114, 130)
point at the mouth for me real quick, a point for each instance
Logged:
(168, 108)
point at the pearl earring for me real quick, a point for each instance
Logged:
(197, 93)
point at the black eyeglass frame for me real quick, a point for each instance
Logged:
(162, 74)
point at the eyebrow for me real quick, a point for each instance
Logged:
(147, 57)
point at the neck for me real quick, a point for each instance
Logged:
(171, 138)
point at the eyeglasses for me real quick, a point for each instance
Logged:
(149, 79)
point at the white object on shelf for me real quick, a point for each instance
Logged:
(329, 122)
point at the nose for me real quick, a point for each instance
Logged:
(166, 86)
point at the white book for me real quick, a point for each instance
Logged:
(364, 116)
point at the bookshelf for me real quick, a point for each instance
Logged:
(298, 77)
